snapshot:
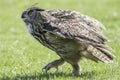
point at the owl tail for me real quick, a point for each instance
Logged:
(105, 55)
(99, 54)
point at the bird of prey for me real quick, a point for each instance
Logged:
(70, 34)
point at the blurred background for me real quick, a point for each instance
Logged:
(20, 53)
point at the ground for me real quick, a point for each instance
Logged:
(22, 57)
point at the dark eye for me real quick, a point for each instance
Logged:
(30, 12)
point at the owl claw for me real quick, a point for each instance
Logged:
(46, 68)
(53, 64)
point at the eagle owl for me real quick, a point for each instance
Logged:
(70, 34)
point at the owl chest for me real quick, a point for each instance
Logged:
(55, 43)
(62, 45)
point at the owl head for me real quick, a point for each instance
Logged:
(30, 14)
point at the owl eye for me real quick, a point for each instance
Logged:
(30, 12)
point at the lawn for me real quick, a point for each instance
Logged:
(22, 57)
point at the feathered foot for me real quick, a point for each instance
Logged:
(76, 69)
(53, 64)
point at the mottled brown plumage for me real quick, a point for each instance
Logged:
(70, 34)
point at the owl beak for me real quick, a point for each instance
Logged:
(23, 15)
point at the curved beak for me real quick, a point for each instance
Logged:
(23, 14)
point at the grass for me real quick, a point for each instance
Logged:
(22, 57)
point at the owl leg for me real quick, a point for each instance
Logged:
(54, 64)
(76, 69)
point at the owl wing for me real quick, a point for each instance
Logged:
(79, 27)
(67, 14)
(73, 25)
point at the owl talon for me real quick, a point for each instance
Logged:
(53, 64)
(46, 68)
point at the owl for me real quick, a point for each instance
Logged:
(70, 34)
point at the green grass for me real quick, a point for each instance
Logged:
(22, 57)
